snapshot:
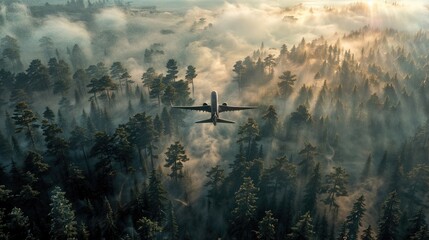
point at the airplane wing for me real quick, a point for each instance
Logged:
(223, 108)
(203, 108)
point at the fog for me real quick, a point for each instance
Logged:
(213, 36)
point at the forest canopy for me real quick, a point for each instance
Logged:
(91, 149)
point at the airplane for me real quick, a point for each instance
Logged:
(215, 109)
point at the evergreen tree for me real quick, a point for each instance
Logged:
(243, 214)
(148, 77)
(19, 225)
(171, 227)
(286, 84)
(108, 225)
(166, 121)
(303, 229)
(158, 126)
(38, 76)
(176, 156)
(367, 234)
(216, 180)
(63, 223)
(49, 114)
(271, 120)
(354, 219)
(249, 132)
(6, 150)
(56, 145)
(417, 226)
(312, 189)
(389, 219)
(157, 88)
(148, 229)
(190, 76)
(171, 71)
(156, 197)
(335, 186)
(25, 119)
(308, 154)
(267, 227)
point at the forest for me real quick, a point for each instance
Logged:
(90, 147)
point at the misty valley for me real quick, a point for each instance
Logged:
(337, 147)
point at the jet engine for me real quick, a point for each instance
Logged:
(224, 104)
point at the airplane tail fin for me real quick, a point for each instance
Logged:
(220, 120)
(205, 121)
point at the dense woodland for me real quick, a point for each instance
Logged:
(338, 148)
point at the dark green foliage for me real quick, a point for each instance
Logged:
(176, 156)
(148, 229)
(156, 198)
(243, 214)
(367, 234)
(248, 133)
(56, 144)
(49, 114)
(303, 229)
(63, 223)
(312, 189)
(354, 219)
(25, 119)
(190, 76)
(389, 218)
(215, 183)
(271, 120)
(335, 186)
(267, 227)
(38, 76)
(286, 84)
(418, 228)
(171, 71)
(171, 227)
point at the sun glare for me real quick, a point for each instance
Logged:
(370, 2)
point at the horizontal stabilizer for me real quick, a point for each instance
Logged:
(205, 121)
(219, 120)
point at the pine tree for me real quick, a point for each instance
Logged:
(418, 226)
(271, 120)
(19, 225)
(171, 227)
(190, 76)
(243, 214)
(335, 186)
(249, 132)
(216, 180)
(312, 189)
(148, 229)
(171, 71)
(354, 219)
(49, 114)
(25, 119)
(63, 223)
(176, 156)
(303, 229)
(156, 197)
(389, 219)
(267, 227)
(367, 234)
(286, 84)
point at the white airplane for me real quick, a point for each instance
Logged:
(214, 109)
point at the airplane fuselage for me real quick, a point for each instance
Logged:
(214, 107)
